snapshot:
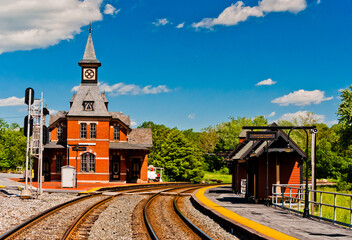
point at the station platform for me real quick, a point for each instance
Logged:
(268, 222)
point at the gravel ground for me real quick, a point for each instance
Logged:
(115, 221)
(14, 210)
(204, 222)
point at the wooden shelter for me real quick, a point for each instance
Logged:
(249, 162)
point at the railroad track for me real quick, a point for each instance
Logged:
(53, 222)
(164, 220)
(82, 225)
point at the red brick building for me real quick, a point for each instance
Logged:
(248, 162)
(114, 151)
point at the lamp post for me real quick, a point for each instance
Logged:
(306, 202)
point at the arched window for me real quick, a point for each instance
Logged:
(87, 162)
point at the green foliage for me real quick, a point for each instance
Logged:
(344, 111)
(180, 156)
(12, 146)
(225, 178)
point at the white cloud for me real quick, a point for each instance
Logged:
(302, 115)
(52, 111)
(238, 12)
(75, 88)
(110, 10)
(132, 89)
(293, 6)
(11, 101)
(318, 1)
(181, 25)
(191, 116)
(133, 123)
(268, 81)
(272, 114)
(31, 24)
(161, 22)
(302, 98)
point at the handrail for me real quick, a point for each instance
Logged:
(296, 197)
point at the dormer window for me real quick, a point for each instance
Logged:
(88, 106)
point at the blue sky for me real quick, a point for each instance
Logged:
(185, 64)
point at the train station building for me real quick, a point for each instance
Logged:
(113, 151)
(249, 164)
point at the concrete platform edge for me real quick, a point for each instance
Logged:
(246, 227)
(239, 230)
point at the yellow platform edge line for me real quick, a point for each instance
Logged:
(242, 220)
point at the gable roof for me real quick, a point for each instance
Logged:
(251, 148)
(91, 92)
(125, 119)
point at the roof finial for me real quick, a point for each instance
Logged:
(90, 27)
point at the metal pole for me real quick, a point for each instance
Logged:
(28, 132)
(306, 202)
(76, 164)
(267, 175)
(313, 157)
(41, 147)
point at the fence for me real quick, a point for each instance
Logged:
(333, 207)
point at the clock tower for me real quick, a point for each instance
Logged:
(89, 63)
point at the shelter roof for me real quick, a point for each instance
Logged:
(248, 147)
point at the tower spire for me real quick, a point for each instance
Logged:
(89, 62)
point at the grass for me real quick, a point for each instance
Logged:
(342, 215)
(225, 178)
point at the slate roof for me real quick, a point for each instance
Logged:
(92, 92)
(54, 117)
(126, 145)
(141, 136)
(125, 119)
(89, 52)
(54, 145)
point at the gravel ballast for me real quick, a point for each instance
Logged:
(115, 221)
(14, 211)
(205, 222)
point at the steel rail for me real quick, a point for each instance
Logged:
(188, 222)
(74, 226)
(41, 216)
(71, 230)
(147, 221)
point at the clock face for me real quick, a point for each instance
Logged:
(89, 74)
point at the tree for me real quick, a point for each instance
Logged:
(12, 146)
(344, 110)
(180, 157)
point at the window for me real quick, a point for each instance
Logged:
(60, 133)
(83, 130)
(88, 106)
(87, 162)
(58, 163)
(93, 130)
(116, 132)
